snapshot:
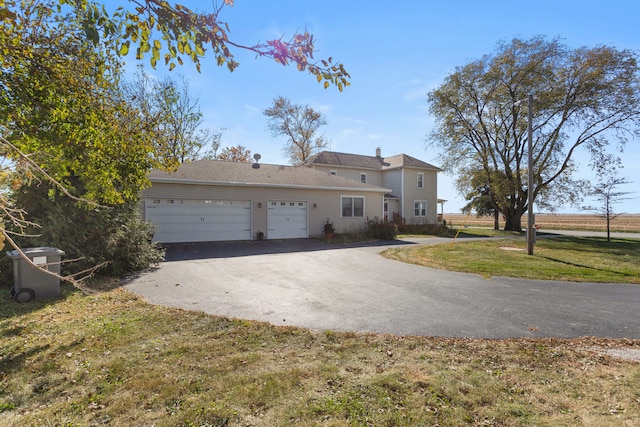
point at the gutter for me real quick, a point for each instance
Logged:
(267, 185)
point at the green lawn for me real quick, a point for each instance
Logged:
(581, 259)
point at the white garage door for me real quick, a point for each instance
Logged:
(199, 220)
(287, 219)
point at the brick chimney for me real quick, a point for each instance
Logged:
(378, 152)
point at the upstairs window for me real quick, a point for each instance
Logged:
(332, 172)
(363, 177)
(420, 180)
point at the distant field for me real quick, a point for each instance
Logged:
(623, 223)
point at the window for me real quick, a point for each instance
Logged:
(332, 172)
(420, 208)
(352, 207)
(363, 178)
(420, 180)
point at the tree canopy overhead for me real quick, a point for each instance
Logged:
(171, 33)
(580, 96)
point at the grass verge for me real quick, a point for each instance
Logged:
(112, 359)
(579, 259)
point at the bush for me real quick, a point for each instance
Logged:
(116, 235)
(381, 230)
(129, 248)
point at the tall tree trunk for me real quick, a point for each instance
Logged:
(496, 220)
(513, 220)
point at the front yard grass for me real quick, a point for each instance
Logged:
(580, 259)
(113, 359)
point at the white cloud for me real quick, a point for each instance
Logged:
(252, 109)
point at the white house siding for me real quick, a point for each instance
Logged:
(413, 193)
(374, 177)
(321, 203)
(392, 179)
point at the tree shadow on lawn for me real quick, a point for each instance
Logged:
(588, 267)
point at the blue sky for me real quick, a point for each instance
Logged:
(396, 52)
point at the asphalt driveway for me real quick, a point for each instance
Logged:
(315, 285)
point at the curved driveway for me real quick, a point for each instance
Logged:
(315, 285)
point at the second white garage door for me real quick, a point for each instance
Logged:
(287, 219)
(189, 220)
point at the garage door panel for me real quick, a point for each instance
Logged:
(287, 219)
(199, 220)
(204, 228)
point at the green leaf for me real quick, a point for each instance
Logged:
(124, 49)
(92, 34)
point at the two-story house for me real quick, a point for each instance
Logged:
(413, 198)
(210, 200)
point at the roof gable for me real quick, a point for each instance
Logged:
(404, 160)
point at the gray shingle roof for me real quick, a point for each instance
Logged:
(345, 159)
(236, 173)
(330, 158)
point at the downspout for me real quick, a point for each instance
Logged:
(402, 201)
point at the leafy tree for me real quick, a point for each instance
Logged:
(173, 117)
(238, 153)
(60, 111)
(480, 195)
(580, 95)
(299, 124)
(79, 185)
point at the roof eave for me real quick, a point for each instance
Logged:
(265, 185)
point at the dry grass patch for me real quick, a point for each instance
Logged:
(112, 359)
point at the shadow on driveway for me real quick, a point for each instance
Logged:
(207, 250)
